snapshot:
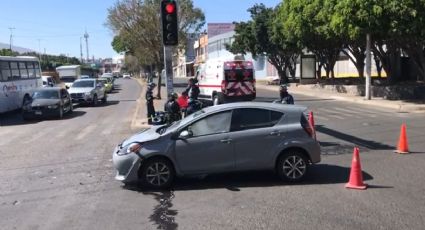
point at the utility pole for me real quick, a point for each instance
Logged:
(368, 68)
(11, 37)
(39, 50)
(86, 36)
(81, 49)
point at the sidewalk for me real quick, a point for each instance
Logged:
(140, 120)
(399, 106)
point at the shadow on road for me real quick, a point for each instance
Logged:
(99, 105)
(15, 118)
(318, 174)
(372, 145)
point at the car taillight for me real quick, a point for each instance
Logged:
(306, 126)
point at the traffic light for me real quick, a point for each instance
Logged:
(169, 22)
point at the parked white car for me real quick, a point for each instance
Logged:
(88, 91)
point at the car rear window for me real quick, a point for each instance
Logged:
(244, 119)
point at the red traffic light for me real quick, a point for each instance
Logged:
(170, 8)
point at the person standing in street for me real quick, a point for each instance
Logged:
(192, 89)
(149, 102)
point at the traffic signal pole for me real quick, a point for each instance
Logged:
(368, 95)
(168, 56)
(169, 38)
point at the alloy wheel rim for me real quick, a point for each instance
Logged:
(158, 174)
(294, 167)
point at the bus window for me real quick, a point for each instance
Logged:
(15, 70)
(37, 73)
(31, 70)
(23, 70)
(5, 70)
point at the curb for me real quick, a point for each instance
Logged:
(397, 105)
(136, 121)
(140, 121)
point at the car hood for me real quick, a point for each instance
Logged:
(143, 136)
(44, 102)
(79, 90)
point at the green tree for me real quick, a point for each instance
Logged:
(8, 52)
(308, 23)
(407, 27)
(258, 36)
(137, 28)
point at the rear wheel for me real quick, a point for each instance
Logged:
(60, 115)
(104, 99)
(292, 166)
(157, 173)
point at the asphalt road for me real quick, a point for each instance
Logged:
(57, 174)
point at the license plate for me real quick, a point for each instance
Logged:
(38, 113)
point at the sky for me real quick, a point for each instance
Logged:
(56, 26)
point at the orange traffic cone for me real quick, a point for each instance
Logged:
(356, 176)
(402, 146)
(311, 121)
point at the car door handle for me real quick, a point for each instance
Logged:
(227, 141)
(275, 133)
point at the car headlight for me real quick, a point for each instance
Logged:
(87, 93)
(134, 148)
(53, 106)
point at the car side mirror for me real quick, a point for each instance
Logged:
(67, 87)
(185, 134)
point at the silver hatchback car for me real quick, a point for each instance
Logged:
(224, 138)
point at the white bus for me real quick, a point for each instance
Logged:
(19, 77)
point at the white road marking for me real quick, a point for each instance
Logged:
(85, 132)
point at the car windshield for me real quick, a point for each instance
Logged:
(177, 124)
(46, 94)
(83, 84)
(67, 79)
(105, 80)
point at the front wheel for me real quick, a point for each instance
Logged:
(104, 99)
(94, 103)
(292, 166)
(157, 173)
(60, 115)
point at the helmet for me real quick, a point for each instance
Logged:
(283, 87)
(174, 95)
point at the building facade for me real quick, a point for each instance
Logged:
(185, 59)
(201, 49)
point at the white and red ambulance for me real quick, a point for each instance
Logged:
(222, 81)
